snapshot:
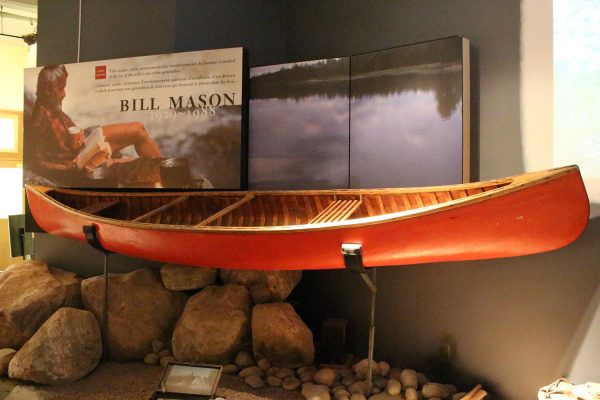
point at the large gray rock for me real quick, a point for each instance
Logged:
(30, 292)
(279, 335)
(277, 284)
(140, 310)
(183, 277)
(214, 326)
(67, 347)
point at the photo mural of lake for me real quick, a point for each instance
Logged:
(390, 118)
(298, 125)
(406, 116)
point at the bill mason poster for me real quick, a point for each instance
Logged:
(161, 121)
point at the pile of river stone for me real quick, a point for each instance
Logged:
(340, 383)
(51, 330)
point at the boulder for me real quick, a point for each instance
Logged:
(67, 347)
(244, 359)
(279, 335)
(393, 387)
(264, 364)
(260, 293)
(279, 284)
(255, 382)
(71, 287)
(140, 311)
(408, 378)
(152, 359)
(30, 292)
(361, 368)
(358, 387)
(325, 376)
(254, 370)
(274, 381)
(310, 391)
(291, 383)
(214, 326)
(5, 356)
(183, 277)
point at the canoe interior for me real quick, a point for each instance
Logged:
(256, 209)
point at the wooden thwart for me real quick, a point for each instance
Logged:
(226, 210)
(338, 210)
(160, 209)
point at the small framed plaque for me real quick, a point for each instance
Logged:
(188, 381)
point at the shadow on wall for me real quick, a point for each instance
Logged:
(81, 258)
(584, 351)
(582, 357)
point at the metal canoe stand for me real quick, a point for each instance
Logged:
(352, 253)
(92, 238)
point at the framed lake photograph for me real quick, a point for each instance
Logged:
(410, 115)
(390, 118)
(298, 125)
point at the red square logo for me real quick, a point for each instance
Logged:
(101, 72)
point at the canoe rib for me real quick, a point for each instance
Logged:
(226, 210)
(160, 209)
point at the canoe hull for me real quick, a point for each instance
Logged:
(534, 219)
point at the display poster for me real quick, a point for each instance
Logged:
(160, 121)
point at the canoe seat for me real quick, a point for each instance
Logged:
(338, 210)
(100, 207)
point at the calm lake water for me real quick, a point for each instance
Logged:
(395, 141)
(401, 140)
(298, 144)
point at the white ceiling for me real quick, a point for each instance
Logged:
(19, 8)
(17, 18)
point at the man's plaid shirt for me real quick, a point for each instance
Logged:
(51, 129)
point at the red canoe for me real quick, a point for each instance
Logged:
(284, 230)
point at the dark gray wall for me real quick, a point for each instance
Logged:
(115, 28)
(516, 323)
(257, 25)
(109, 29)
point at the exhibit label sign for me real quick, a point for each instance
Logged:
(161, 121)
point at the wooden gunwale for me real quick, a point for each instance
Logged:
(502, 187)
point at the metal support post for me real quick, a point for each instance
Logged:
(352, 253)
(91, 236)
